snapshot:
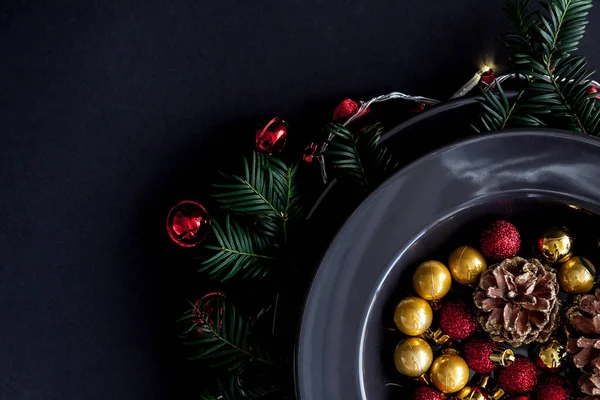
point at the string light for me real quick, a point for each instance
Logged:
(471, 84)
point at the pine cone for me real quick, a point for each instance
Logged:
(590, 384)
(518, 301)
(584, 316)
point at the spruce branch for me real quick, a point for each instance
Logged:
(498, 112)
(555, 84)
(360, 156)
(556, 91)
(234, 387)
(238, 253)
(267, 191)
(220, 336)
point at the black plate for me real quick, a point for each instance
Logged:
(344, 350)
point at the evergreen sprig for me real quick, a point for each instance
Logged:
(239, 252)
(234, 387)
(220, 336)
(360, 156)
(267, 190)
(555, 82)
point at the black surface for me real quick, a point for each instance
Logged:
(110, 112)
(423, 212)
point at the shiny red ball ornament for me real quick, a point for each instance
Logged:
(418, 108)
(593, 90)
(346, 109)
(271, 139)
(554, 387)
(427, 393)
(488, 78)
(188, 223)
(519, 377)
(500, 240)
(458, 320)
(522, 397)
(205, 312)
(477, 355)
(309, 152)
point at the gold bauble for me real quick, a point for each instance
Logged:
(413, 316)
(449, 373)
(432, 280)
(466, 264)
(551, 356)
(574, 277)
(413, 357)
(556, 245)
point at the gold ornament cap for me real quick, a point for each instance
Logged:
(413, 316)
(432, 280)
(413, 357)
(556, 245)
(466, 264)
(438, 336)
(574, 275)
(502, 356)
(449, 373)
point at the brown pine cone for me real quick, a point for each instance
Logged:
(584, 317)
(590, 384)
(518, 301)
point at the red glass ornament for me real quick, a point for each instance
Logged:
(427, 393)
(522, 397)
(346, 109)
(188, 223)
(309, 152)
(477, 354)
(488, 78)
(271, 139)
(591, 90)
(458, 320)
(500, 240)
(204, 311)
(418, 108)
(554, 387)
(519, 377)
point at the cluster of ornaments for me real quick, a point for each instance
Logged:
(469, 347)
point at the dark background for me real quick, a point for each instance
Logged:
(112, 111)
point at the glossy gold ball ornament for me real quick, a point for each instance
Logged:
(556, 245)
(413, 316)
(449, 373)
(466, 264)
(551, 356)
(432, 280)
(574, 277)
(413, 357)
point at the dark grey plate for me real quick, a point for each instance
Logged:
(344, 350)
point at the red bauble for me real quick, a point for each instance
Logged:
(500, 240)
(520, 398)
(205, 312)
(309, 152)
(554, 387)
(477, 354)
(488, 78)
(427, 393)
(346, 109)
(271, 139)
(457, 320)
(519, 377)
(418, 108)
(593, 90)
(188, 223)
